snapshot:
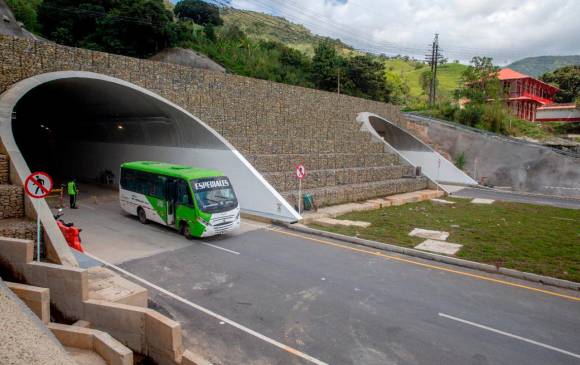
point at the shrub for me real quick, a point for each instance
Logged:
(470, 115)
(460, 161)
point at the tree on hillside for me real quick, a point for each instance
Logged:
(566, 78)
(199, 11)
(367, 78)
(325, 65)
(137, 28)
(25, 11)
(480, 81)
(486, 108)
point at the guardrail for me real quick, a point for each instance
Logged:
(419, 117)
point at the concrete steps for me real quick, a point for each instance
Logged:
(325, 216)
(357, 192)
(105, 285)
(285, 181)
(85, 346)
(320, 161)
(91, 347)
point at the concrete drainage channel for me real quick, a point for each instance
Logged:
(546, 280)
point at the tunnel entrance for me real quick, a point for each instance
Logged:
(414, 151)
(82, 128)
(85, 125)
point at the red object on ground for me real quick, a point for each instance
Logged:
(71, 235)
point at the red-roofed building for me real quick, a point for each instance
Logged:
(525, 94)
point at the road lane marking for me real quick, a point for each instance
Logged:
(509, 335)
(86, 206)
(219, 248)
(219, 317)
(417, 263)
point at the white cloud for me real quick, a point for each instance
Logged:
(504, 29)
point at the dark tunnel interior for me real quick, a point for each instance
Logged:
(50, 120)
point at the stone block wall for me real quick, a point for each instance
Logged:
(4, 169)
(275, 126)
(18, 228)
(11, 201)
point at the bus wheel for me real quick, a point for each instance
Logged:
(142, 216)
(185, 231)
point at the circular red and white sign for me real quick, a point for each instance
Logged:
(300, 171)
(38, 185)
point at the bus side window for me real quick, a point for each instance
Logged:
(128, 181)
(183, 195)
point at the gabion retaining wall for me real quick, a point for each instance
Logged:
(275, 126)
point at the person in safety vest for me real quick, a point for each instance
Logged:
(72, 190)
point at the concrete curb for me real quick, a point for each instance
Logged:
(546, 280)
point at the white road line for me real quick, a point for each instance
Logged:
(510, 335)
(215, 315)
(219, 248)
(86, 206)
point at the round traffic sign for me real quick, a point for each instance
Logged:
(38, 185)
(300, 171)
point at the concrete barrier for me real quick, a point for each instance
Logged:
(143, 330)
(111, 350)
(35, 298)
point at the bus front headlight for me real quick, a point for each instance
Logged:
(203, 222)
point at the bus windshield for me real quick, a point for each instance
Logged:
(214, 194)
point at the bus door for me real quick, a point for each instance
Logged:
(171, 197)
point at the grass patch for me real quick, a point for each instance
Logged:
(449, 76)
(538, 239)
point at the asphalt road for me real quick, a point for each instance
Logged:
(516, 197)
(330, 302)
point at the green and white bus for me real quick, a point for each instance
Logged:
(197, 202)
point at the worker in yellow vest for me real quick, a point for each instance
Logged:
(72, 190)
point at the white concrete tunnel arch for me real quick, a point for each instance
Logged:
(155, 129)
(433, 165)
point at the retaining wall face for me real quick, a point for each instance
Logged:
(4, 169)
(260, 118)
(11, 201)
(521, 166)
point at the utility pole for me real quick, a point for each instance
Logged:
(433, 60)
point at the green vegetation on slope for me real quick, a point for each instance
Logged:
(260, 26)
(536, 66)
(538, 239)
(142, 28)
(25, 11)
(448, 76)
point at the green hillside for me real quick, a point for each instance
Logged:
(449, 75)
(273, 28)
(537, 66)
(399, 70)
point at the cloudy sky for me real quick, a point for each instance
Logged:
(504, 29)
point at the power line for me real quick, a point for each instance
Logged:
(288, 10)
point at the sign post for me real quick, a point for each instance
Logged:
(300, 174)
(38, 185)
